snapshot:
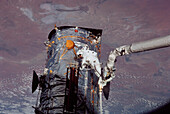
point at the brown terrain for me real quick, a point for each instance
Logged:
(143, 79)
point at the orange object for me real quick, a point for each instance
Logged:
(55, 27)
(76, 30)
(49, 45)
(70, 44)
(74, 37)
(51, 71)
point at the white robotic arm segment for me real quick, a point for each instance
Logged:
(128, 49)
(109, 69)
(123, 50)
(151, 44)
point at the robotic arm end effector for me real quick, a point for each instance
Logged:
(109, 69)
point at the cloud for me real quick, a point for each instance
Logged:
(28, 13)
(1, 58)
(61, 13)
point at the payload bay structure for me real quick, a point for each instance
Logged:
(69, 83)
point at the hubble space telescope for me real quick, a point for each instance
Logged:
(73, 80)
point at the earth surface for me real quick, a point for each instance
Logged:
(142, 80)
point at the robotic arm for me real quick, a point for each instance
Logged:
(109, 69)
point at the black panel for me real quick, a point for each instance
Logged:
(53, 32)
(35, 81)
